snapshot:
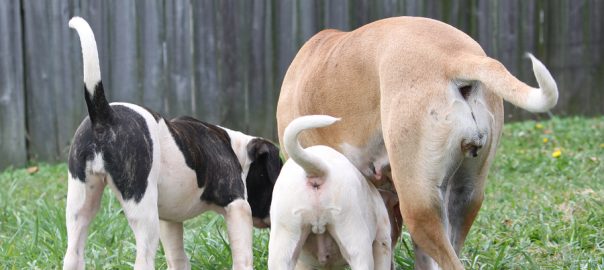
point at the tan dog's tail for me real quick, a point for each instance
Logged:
(312, 165)
(496, 78)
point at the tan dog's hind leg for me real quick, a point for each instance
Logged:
(420, 160)
(464, 196)
(464, 190)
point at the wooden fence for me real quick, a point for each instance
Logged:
(223, 61)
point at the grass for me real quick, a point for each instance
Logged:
(540, 211)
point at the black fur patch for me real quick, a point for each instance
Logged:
(207, 151)
(125, 144)
(99, 110)
(262, 175)
(82, 150)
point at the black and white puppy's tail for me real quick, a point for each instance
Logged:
(98, 107)
(312, 165)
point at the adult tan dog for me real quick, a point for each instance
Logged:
(421, 97)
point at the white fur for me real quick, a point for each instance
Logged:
(92, 71)
(83, 201)
(546, 96)
(96, 165)
(239, 142)
(311, 164)
(345, 206)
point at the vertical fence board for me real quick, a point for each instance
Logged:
(124, 82)
(524, 38)
(206, 61)
(286, 40)
(12, 107)
(243, 28)
(67, 98)
(179, 65)
(151, 50)
(39, 76)
(337, 15)
(359, 13)
(594, 29)
(260, 96)
(272, 78)
(230, 71)
(307, 21)
(413, 8)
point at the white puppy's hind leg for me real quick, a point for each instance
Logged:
(382, 248)
(171, 235)
(83, 201)
(355, 243)
(239, 228)
(285, 244)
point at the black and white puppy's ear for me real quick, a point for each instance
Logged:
(261, 177)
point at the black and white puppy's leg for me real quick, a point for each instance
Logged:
(83, 201)
(239, 229)
(143, 219)
(171, 235)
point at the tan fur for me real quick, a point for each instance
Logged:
(393, 79)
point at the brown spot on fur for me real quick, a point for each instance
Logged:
(434, 114)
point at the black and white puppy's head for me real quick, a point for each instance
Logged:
(264, 168)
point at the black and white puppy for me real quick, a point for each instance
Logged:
(163, 173)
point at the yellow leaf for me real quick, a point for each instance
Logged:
(538, 126)
(545, 140)
(32, 170)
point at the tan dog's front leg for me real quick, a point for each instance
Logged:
(239, 228)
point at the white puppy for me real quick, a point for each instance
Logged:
(321, 195)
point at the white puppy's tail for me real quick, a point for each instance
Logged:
(98, 107)
(312, 165)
